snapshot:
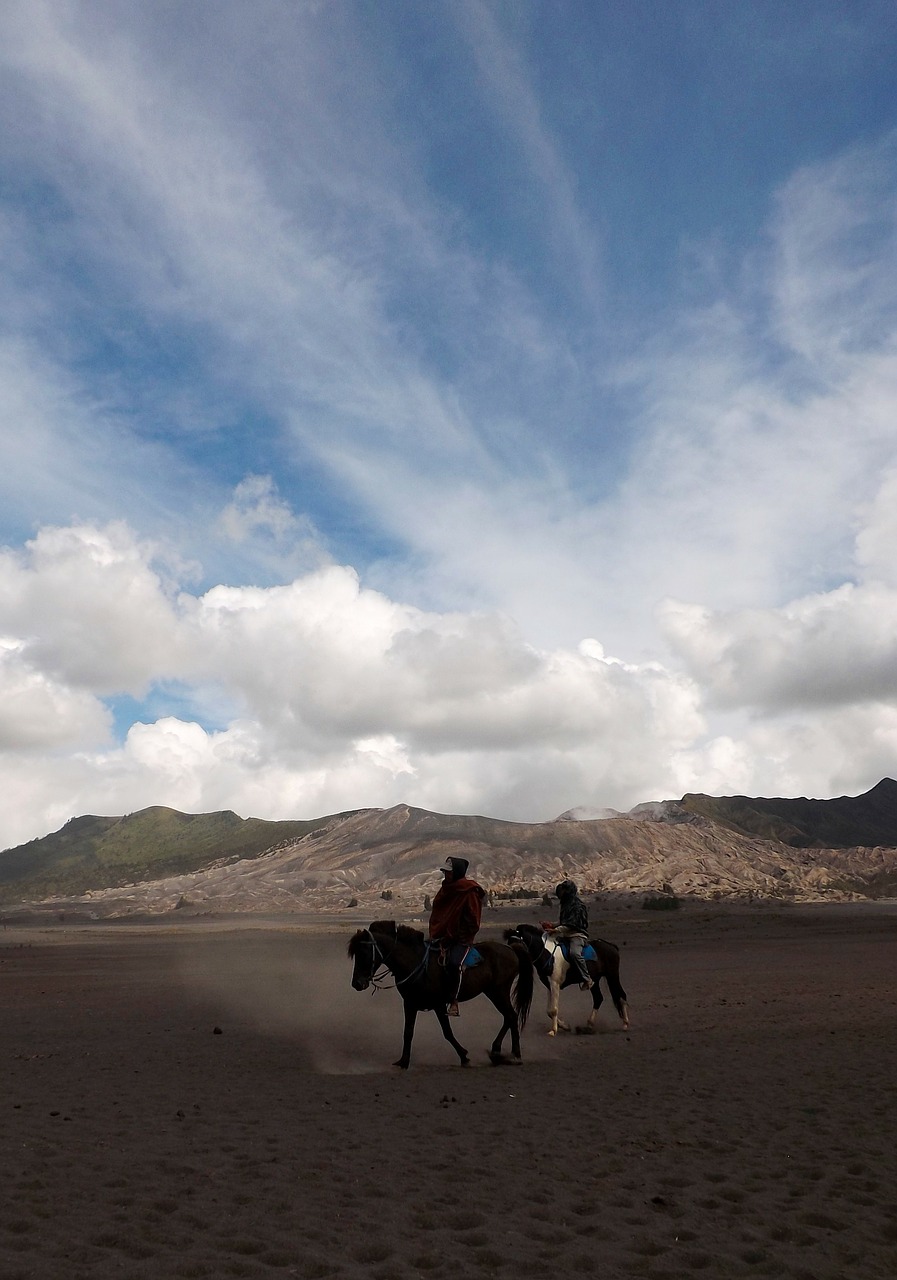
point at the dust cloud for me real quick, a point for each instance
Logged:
(296, 985)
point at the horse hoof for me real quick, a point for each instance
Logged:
(465, 1062)
(400, 1063)
(586, 1031)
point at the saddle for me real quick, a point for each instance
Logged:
(588, 951)
(444, 951)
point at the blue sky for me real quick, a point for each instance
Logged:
(485, 406)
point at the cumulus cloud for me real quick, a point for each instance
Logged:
(37, 711)
(821, 651)
(88, 609)
(338, 695)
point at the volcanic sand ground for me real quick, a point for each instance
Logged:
(743, 1127)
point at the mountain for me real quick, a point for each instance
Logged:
(98, 853)
(222, 863)
(848, 821)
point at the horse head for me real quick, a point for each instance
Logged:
(526, 936)
(384, 944)
(368, 958)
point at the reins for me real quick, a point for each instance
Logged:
(544, 957)
(378, 981)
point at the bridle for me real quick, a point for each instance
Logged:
(379, 961)
(546, 953)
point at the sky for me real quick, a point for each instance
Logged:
(486, 406)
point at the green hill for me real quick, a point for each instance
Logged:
(97, 853)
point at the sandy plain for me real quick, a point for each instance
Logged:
(212, 1100)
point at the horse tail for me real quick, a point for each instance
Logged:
(523, 987)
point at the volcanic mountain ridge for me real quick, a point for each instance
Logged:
(726, 848)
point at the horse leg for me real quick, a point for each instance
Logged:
(558, 975)
(554, 995)
(597, 998)
(502, 1002)
(618, 995)
(408, 1036)
(443, 1019)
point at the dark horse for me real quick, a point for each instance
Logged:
(556, 973)
(420, 980)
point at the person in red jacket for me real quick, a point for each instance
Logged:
(455, 921)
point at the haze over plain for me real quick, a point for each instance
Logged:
(483, 406)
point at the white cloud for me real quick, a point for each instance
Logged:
(37, 712)
(876, 542)
(836, 256)
(257, 505)
(89, 609)
(839, 751)
(822, 651)
(339, 696)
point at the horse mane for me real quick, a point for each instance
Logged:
(361, 936)
(525, 928)
(357, 937)
(401, 932)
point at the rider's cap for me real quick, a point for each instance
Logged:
(457, 866)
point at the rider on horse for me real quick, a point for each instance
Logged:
(455, 921)
(573, 924)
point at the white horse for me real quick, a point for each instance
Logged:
(556, 972)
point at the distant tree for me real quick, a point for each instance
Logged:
(386, 895)
(427, 903)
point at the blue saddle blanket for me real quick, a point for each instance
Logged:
(588, 951)
(455, 955)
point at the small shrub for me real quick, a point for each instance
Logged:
(662, 902)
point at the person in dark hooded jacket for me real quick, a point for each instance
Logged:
(455, 921)
(573, 924)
